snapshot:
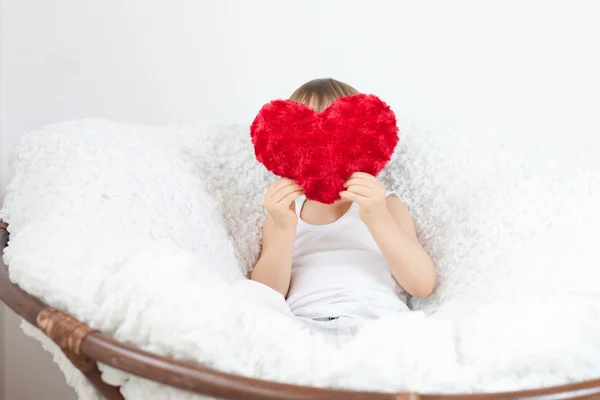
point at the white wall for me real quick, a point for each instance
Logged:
(159, 61)
(519, 64)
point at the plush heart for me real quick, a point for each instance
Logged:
(321, 150)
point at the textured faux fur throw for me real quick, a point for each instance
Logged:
(145, 233)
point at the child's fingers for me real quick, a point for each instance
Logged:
(283, 193)
(281, 183)
(290, 198)
(363, 175)
(285, 180)
(358, 181)
(361, 190)
(355, 197)
(288, 201)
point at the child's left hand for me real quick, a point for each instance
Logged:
(370, 194)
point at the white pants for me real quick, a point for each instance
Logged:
(275, 300)
(338, 326)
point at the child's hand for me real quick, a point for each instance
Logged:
(279, 202)
(369, 192)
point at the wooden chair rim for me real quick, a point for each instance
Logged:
(202, 380)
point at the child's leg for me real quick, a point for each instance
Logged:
(275, 301)
(263, 294)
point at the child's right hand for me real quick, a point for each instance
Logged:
(279, 202)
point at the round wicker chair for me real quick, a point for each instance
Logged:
(85, 347)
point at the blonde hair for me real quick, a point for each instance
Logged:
(318, 94)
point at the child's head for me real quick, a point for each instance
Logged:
(318, 94)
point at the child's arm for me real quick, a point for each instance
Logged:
(393, 230)
(409, 262)
(274, 267)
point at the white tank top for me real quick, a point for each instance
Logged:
(339, 271)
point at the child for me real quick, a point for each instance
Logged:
(342, 264)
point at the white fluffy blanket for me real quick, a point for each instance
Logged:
(145, 233)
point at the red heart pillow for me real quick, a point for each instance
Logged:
(321, 150)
